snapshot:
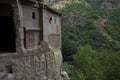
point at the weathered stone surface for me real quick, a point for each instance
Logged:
(35, 63)
(42, 63)
(9, 77)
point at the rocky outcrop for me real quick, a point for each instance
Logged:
(71, 20)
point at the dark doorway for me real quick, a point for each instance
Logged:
(7, 29)
(7, 34)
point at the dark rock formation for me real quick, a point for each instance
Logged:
(71, 20)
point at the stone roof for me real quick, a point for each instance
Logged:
(45, 6)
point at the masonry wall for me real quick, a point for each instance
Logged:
(36, 63)
(31, 26)
(52, 35)
(52, 29)
(30, 16)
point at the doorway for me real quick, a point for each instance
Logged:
(7, 30)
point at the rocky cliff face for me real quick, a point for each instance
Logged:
(71, 20)
(75, 17)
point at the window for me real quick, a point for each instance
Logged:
(33, 15)
(50, 20)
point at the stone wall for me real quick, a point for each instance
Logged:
(52, 29)
(38, 63)
(41, 63)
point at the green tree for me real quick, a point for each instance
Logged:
(86, 67)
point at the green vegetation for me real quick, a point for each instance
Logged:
(92, 49)
(91, 65)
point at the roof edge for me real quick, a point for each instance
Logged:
(50, 9)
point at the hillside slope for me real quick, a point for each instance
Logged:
(90, 22)
(90, 38)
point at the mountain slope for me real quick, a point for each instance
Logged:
(90, 38)
(89, 22)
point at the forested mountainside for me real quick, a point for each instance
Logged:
(90, 38)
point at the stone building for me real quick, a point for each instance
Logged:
(30, 41)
